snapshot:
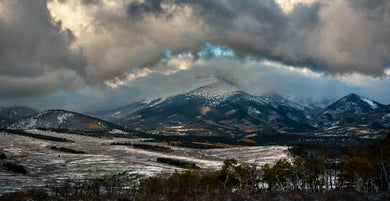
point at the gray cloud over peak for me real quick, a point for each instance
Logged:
(336, 36)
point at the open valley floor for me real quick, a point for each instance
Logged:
(45, 164)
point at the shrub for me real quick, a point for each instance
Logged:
(14, 167)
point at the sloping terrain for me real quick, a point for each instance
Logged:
(62, 119)
(124, 111)
(352, 115)
(379, 118)
(345, 111)
(9, 115)
(221, 108)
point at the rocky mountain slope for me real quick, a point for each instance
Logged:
(379, 118)
(345, 111)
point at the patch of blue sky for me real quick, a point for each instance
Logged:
(211, 50)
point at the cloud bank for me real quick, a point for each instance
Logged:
(67, 45)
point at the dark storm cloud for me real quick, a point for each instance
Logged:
(375, 9)
(250, 27)
(32, 46)
(336, 37)
(266, 12)
(259, 28)
(215, 13)
(88, 2)
(121, 41)
(137, 9)
(305, 17)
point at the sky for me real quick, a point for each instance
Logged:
(87, 55)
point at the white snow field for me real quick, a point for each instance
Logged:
(103, 159)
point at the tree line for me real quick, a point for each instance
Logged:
(177, 163)
(37, 136)
(363, 169)
(67, 150)
(145, 146)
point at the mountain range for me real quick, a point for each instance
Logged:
(221, 109)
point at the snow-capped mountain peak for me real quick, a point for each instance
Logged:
(218, 90)
(353, 103)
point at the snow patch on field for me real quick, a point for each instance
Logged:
(117, 131)
(102, 158)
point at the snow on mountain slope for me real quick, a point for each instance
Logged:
(112, 115)
(372, 104)
(281, 103)
(212, 91)
(224, 107)
(218, 107)
(215, 92)
(62, 119)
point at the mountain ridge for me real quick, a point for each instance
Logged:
(68, 120)
(222, 109)
(233, 111)
(346, 110)
(224, 106)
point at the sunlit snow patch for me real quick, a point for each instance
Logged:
(63, 117)
(370, 102)
(117, 131)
